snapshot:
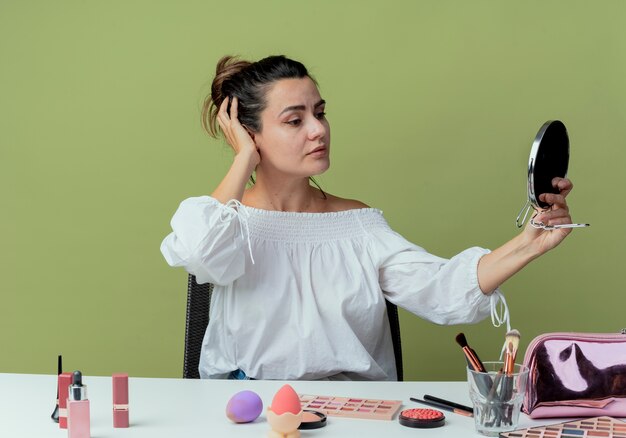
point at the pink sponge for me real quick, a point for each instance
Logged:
(286, 400)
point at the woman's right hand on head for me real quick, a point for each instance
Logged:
(236, 134)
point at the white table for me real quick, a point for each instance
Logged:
(196, 408)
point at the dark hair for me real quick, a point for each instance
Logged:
(248, 81)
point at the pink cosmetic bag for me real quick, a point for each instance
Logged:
(576, 375)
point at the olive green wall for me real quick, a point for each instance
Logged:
(433, 106)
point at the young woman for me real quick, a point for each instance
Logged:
(301, 276)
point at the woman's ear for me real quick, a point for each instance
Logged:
(252, 135)
(250, 131)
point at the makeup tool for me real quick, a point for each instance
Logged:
(483, 381)
(465, 410)
(372, 409)
(120, 400)
(502, 387)
(511, 344)
(470, 354)
(285, 414)
(587, 428)
(55, 413)
(442, 406)
(78, 418)
(422, 418)
(244, 407)
(312, 420)
(65, 380)
(448, 403)
(492, 394)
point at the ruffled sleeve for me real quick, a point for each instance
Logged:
(208, 240)
(439, 290)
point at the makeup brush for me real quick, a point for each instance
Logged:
(470, 354)
(511, 344)
(480, 378)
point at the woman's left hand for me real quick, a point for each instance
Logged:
(557, 214)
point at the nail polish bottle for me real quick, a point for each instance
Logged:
(78, 424)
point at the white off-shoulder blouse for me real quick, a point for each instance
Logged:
(302, 295)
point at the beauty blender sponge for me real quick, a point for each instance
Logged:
(286, 400)
(244, 407)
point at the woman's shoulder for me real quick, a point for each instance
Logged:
(335, 204)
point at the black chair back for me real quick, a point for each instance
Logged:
(197, 320)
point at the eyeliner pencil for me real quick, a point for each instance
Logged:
(448, 403)
(444, 407)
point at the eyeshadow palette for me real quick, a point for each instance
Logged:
(587, 428)
(372, 409)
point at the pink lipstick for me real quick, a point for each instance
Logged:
(120, 400)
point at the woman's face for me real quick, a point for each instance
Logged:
(295, 136)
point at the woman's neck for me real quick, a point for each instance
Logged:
(295, 195)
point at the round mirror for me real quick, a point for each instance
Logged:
(549, 158)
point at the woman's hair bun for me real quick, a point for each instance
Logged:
(226, 68)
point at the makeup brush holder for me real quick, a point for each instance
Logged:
(497, 397)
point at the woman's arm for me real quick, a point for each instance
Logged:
(246, 159)
(501, 264)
